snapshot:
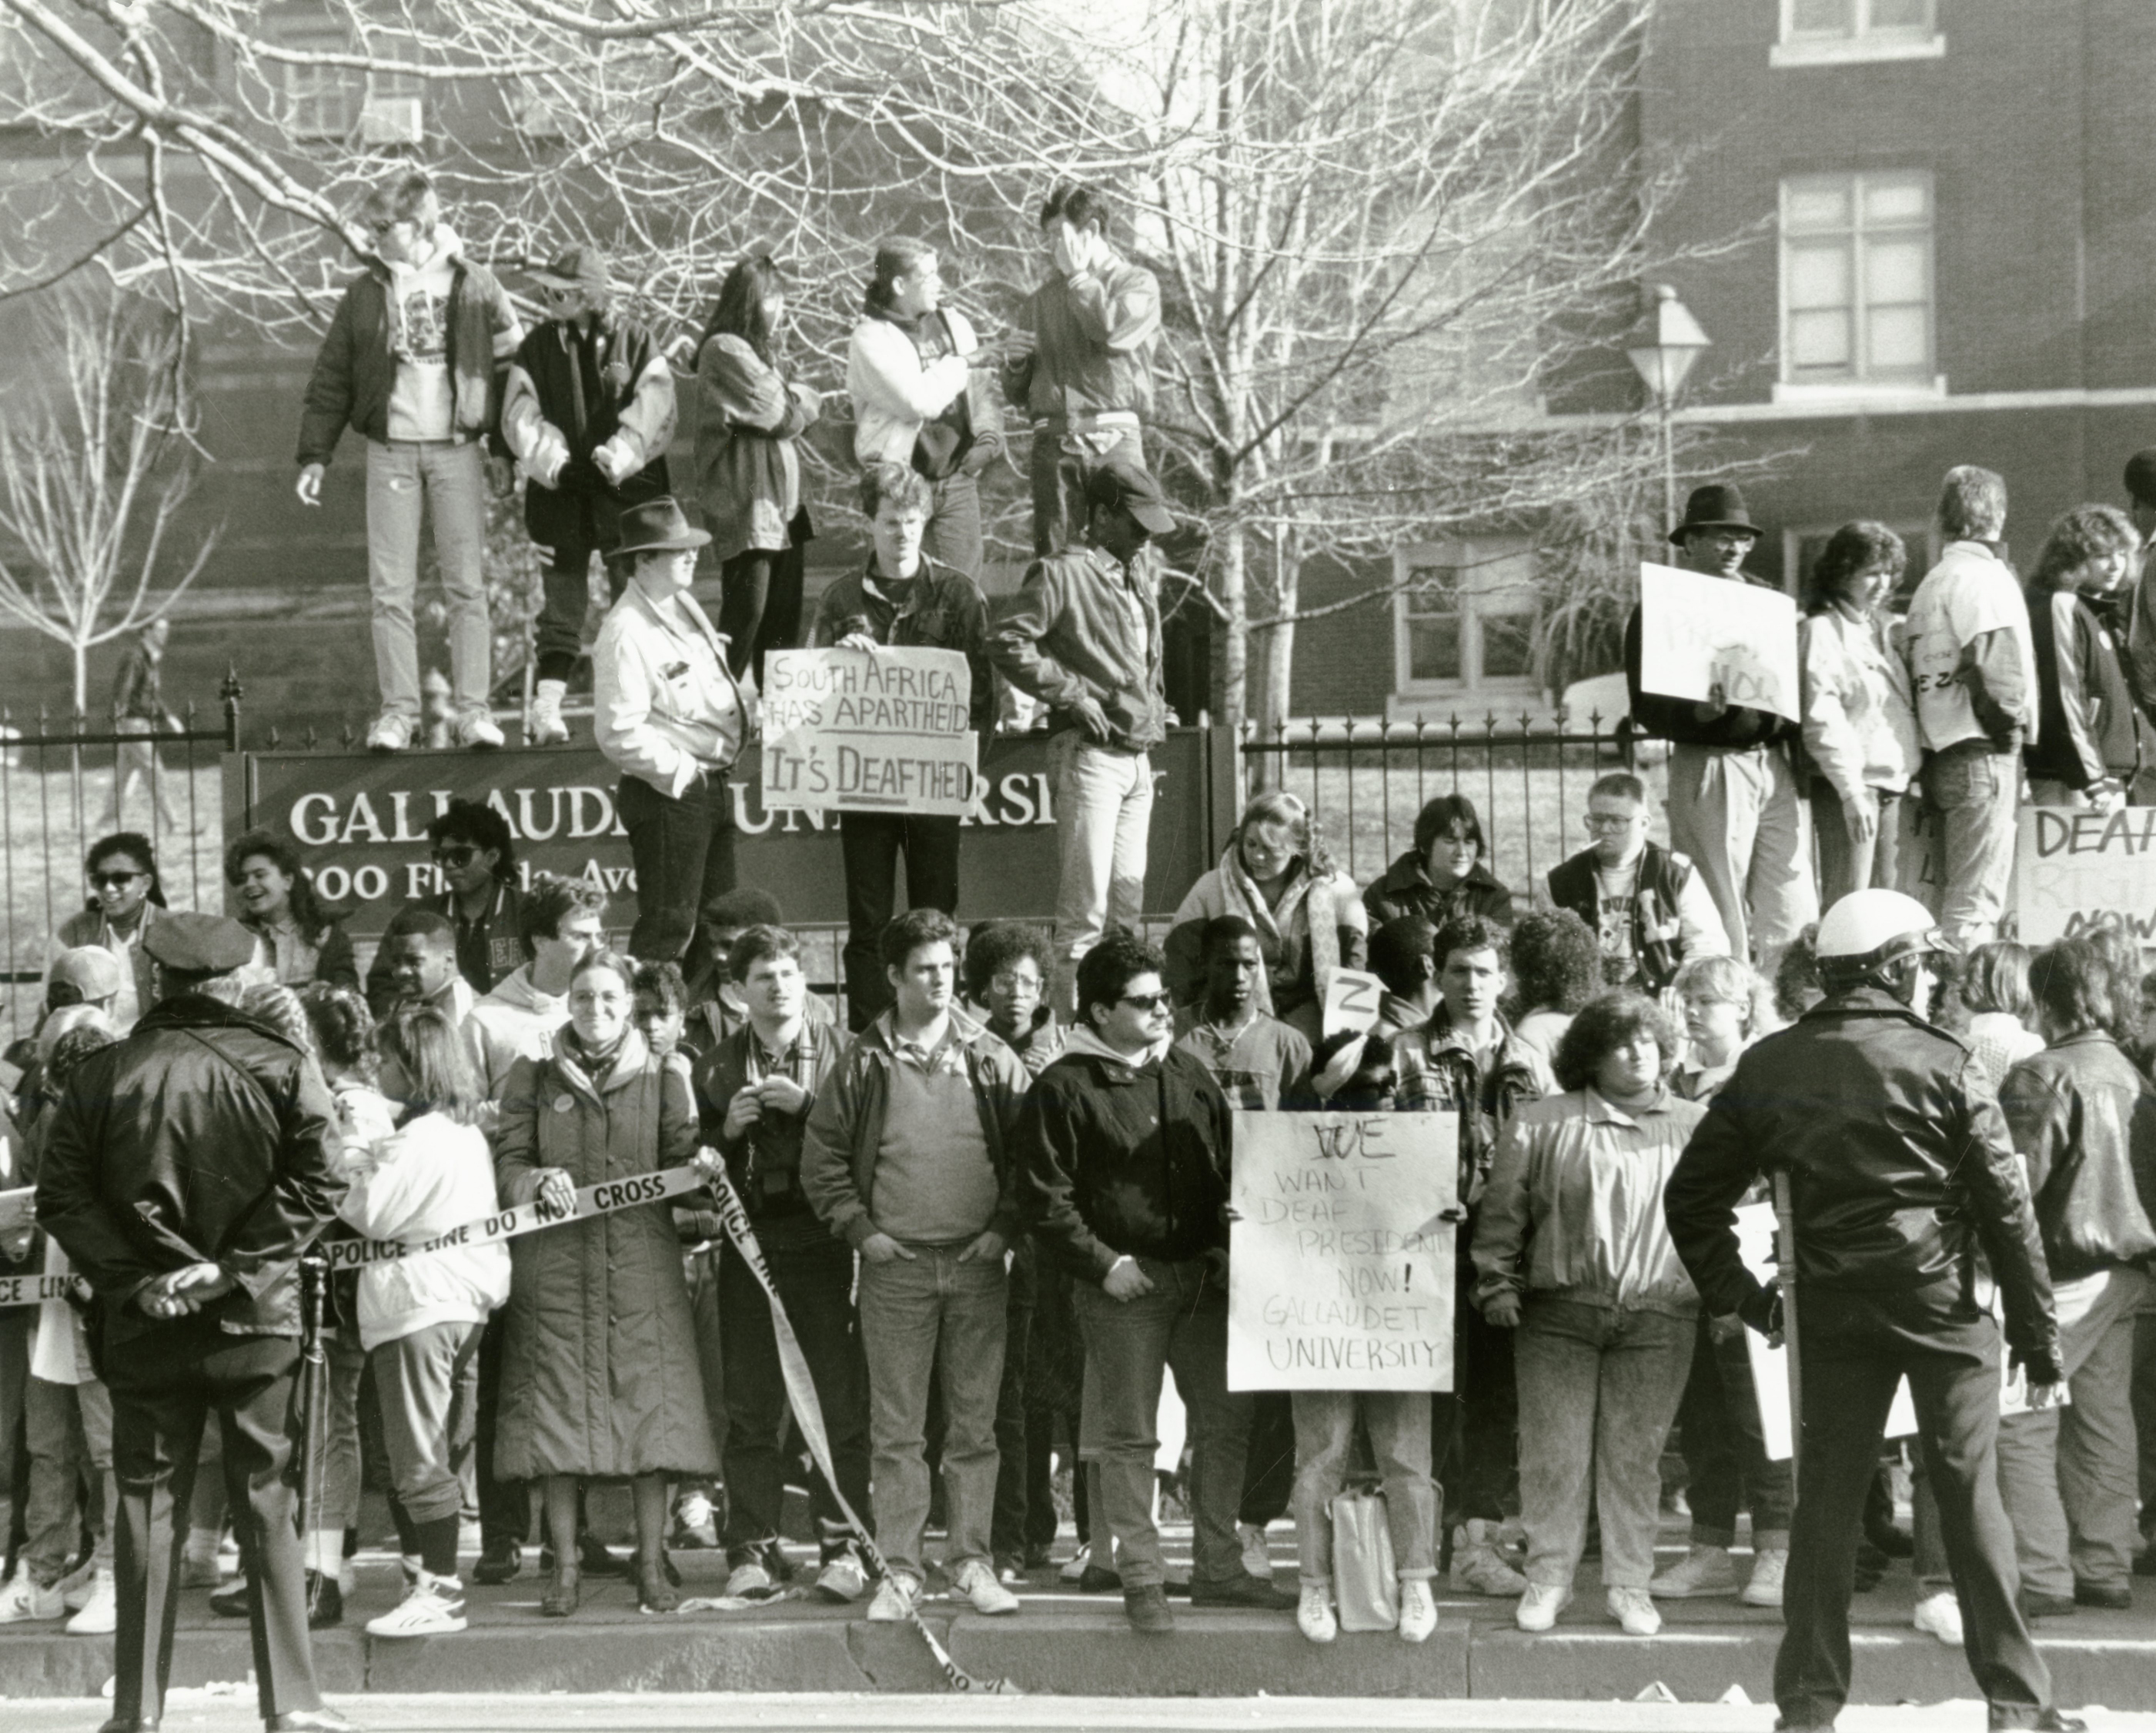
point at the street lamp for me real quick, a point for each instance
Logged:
(1674, 342)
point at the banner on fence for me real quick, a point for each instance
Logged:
(1340, 1275)
(1697, 633)
(2072, 867)
(883, 731)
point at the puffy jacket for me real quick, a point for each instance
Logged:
(1082, 626)
(588, 411)
(748, 472)
(1900, 1161)
(204, 1137)
(1404, 889)
(2084, 1119)
(424, 1179)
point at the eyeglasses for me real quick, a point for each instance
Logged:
(1015, 983)
(1605, 822)
(456, 855)
(1146, 1002)
(115, 881)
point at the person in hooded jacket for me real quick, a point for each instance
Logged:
(1444, 874)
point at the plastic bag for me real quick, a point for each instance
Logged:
(1364, 1585)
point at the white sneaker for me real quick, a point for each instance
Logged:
(546, 727)
(1703, 1571)
(200, 1569)
(1418, 1609)
(894, 1596)
(1073, 1567)
(1539, 1607)
(433, 1606)
(843, 1579)
(101, 1609)
(977, 1583)
(750, 1579)
(475, 730)
(1476, 1566)
(24, 1598)
(1940, 1614)
(77, 1586)
(1769, 1565)
(1633, 1609)
(1313, 1614)
(389, 733)
(1257, 1561)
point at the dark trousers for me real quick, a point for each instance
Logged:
(505, 1506)
(870, 843)
(1058, 480)
(1009, 1523)
(684, 851)
(1724, 1447)
(815, 1285)
(1853, 1349)
(1475, 1443)
(760, 607)
(567, 581)
(165, 1382)
(1268, 1470)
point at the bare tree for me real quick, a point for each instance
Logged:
(95, 459)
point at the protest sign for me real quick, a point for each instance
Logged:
(1341, 1251)
(1696, 633)
(884, 731)
(2072, 867)
(1351, 997)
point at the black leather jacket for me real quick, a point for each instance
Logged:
(1900, 1162)
(2085, 1120)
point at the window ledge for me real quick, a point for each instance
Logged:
(1858, 392)
(1856, 50)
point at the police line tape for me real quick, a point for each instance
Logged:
(37, 1290)
(605, 1198)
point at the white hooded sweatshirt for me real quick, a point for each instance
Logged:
(422, 402)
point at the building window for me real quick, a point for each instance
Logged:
(1856, 280)
(1817, 33)
(1465, 620)
(322, 101)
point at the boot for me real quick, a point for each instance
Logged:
(1476, 1566)
(547, 728)
(563, 1597)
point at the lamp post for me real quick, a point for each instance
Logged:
(1674, 342)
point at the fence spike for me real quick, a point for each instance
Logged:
(307, 740)
(272, 736)
(346, 734)
(188, 714)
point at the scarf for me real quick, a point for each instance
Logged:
(1083, 1040)
(1315, 898)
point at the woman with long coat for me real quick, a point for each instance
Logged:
(599, 1371)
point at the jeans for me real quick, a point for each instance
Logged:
(1009, 1528)
(2068, 1475)
(1599, 1386)
(1475, 1427)
(870, 843)
(1181, 1326)
(1844, 865)
(909, 1307)
(337, 1506)
(760, 606)
(815, 1284)
(450, 479)
(427, 1383)
(1718, 1428)
(1854, 1349)
(68, 1428)
(1057, 473)
(1103, 814)
(954, 537)
(1971, 794)
(568, 580)
(684, 853)
(1738, 815)
(1397, 1421)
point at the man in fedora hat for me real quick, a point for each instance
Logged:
(1735, 810)
(187, 1169)
(588, 412)
(668, 714)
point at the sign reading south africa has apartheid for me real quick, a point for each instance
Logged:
(881, 731)
(1341, 1251)
(2074, 867)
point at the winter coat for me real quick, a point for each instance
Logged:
(599, 1368)
(588, 412)
(1404, 889)
(906, 374)
(748, 474)
(433, 1175)
(2087, 731)
(1084, 626)
(1298, 962)
(2084, 1119)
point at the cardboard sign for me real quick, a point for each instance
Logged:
(2071, 866)
(1341, 1251)
(1697, 633)
(882, 731)
(1352, 997)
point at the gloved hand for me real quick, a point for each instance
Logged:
(1763, 1311)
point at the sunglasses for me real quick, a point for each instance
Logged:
(115, 881)
(454, 856)
(1146, 1002)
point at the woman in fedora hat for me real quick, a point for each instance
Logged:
(668, 714)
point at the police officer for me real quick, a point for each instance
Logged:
(1900, 1171)
(187, 1170)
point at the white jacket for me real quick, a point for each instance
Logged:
(430, 1176)
(513, 1022)
(1860, 720)
(664, 703)
(893, 393)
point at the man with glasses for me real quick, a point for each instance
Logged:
(588, 412)
(1126, 1144)
(1649, 910)
(474, 860)
(412, 361)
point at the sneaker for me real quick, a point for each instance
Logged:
(1313, 1614)
(894, 1596)
(389, 733)
(1703, 1571)
(101, 1609)
(1418, 1609)
(475, 730)
(501, 1562)
(696, 1524)
(1477, 1568)
(1076, 1566)
(749, 1577)
(433, 1606)
(842, 1579)
(1634, 1610)
(1540, 1605)
(1940, 1614)
(1010, 1568)
(325, 1602)
(1099, 1580)
(545, 726)
(24, 1597)
(977, 1583)
(235, 1600)
(1769, 1565)
(199, 1570)
(1257, 1560)
(76, 1587)
(1147, 1610)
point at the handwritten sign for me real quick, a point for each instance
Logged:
(1340, 1252)
(2072, 867)
(1696, 633)
(1351, 997)
(884, 731)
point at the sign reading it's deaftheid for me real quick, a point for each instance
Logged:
(1341, 1251)
(1697, 633)
(882, 731)
(2072, 867)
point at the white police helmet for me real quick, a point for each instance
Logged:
(1870, 928)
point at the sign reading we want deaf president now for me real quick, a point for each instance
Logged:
(2073, 866)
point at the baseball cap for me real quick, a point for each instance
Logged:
(1121, 482)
